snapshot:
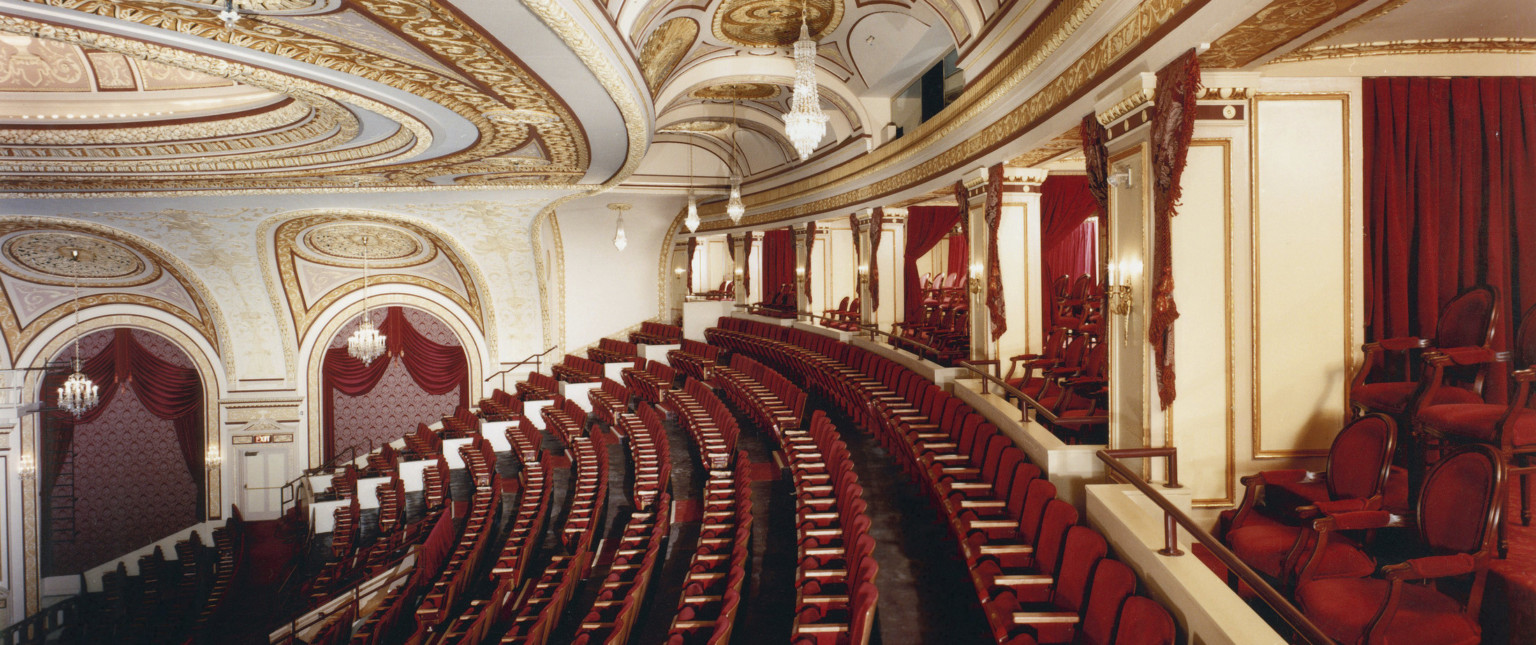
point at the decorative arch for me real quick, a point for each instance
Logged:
(330, 322)
(49, 343)
(119, 269)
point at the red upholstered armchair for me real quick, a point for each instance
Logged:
(1268, 536)
(1359, 476)
(1510, 428)
(1457, 511)
(1465, 322)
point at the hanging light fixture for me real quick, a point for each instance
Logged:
(367, 343)
(619, 239)
(230, 15)
(692, 221)
(735, 208)
(78, 394)
(804, 123)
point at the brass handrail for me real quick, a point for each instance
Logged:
(537, 360)
(1027, 402)
(1306, 629)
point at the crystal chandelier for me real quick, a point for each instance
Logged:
(804, 123)
(692, 221)
(366, 344)
(619, 239)
(78, 394)
(735, 208)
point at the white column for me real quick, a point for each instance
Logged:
(1018, 250)
(893, 243)
(866, 308)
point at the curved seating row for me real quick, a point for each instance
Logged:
(706, 613)
(770, 400)
(575, 369)
(169, 600)
(565, 419)
(979, 481)
(473, 541)
(711, 424)
(612, 350)
(694, 359)
(648, 383)
(651, 454)
(609, 400)
(655, 333)
(538, 387)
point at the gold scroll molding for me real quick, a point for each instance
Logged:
(1410, 47)
(213, 478)
(1273, 26)
(773, 23)
(665, 48)
(501, 81)
(287, 247)
(207, 319)
(1146, 20)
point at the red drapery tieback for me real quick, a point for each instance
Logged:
(166, 390)
(926, 227)
(435, 368)
(1173, 125)
(1067, 247)
(959, 254)
(1450, 201)
(963, 199)
(746, 273)
(876, 226)
(693, 246)
(993, 214)
(810, 247)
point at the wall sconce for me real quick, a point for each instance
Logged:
(214, 459)
(976, 278)
(738, 271)
(26, 468)
(1118, 288)
(1121, 178)
(678, 272)
(800, 271)
(863, 274)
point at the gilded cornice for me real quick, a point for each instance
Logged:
(1146, 20)
(993, 87)
(1408, 47)
(1381, 10)
(500, 83)
(1278, 23)
(1126, 106)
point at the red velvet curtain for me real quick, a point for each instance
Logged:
(778, 261)
(959, 252)
(434, 367)
(992, 213)
(746, 274)
(166, 390)
(926, 227)
(876, 227)
(810, 247)
(1450, 199)
(1068, 243)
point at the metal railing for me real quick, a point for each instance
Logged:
(1174, 518)
(290, 491)
(37, 627)
(537, 360)
(310, 619)
(1027, 403)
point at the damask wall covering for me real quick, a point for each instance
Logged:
(130, 482)
(397, 403)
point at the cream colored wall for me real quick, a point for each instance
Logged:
(841, 281)
(1129, 235)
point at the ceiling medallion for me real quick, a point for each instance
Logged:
(664, 48)
(351, 241)
(55, 255)
(773, 23)
(737, 92)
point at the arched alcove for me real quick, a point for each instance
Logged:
(423, 376)
(131, 470)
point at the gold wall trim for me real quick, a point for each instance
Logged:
(1230, 325)
(1270, 28)
(1413, 47)
(1349, 328)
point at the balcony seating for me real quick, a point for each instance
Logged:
(694, 359)
(782, 304)
(1458, 511)
(1508, 428)
(616, 610)
(706, 613)
(770, 400)
(538, 387)
(1466, 323)
(609, 350)
(608, 401)
(655, 333)
(711, 424)
(422, 444)
(565, 419)
(575, 369)
(845, 317)
(501, 407)
(649, 381)
(1267, 524)
(463, 423)
(651, 454)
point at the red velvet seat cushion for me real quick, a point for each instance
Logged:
(1476, 421)
(1392, 398)
(1344, 607)
(1264, 548)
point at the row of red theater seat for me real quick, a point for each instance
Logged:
(769, 399)
(538, 387)
(169, 600)
(844, 317)
(575, 369)
(608, 401)
(694, 359)
(543, 602)
(612, 350)
(711, 424)
(473, 542)
(649, 382)
(614, 612)
(655, 333)
(501, 406)
(565, 419)
(706, 613)
(978, 479)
